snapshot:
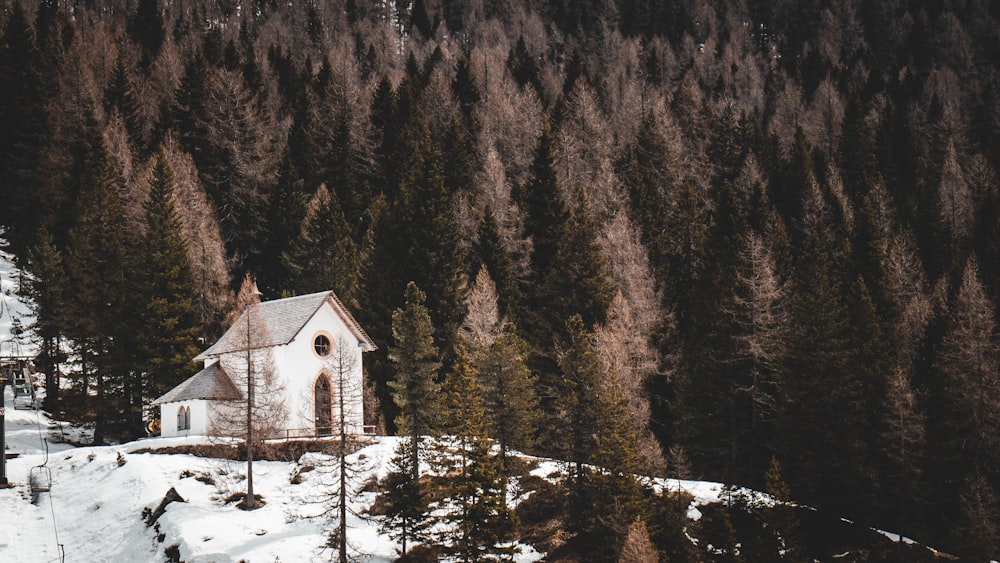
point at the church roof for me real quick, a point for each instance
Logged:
(209, 383)
(284, 319)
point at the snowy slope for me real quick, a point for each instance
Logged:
(12, 308)
(94, 509)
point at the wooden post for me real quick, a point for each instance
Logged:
(249, 502)
(3, 448)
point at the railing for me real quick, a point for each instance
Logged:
(289, 433)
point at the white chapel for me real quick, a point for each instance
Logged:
(303, 334)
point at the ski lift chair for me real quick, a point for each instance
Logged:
(40, 476)
(24, 398)
(40, 479)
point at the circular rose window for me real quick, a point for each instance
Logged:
(322, 345)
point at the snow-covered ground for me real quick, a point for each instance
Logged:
(94, 511)
(11, 309)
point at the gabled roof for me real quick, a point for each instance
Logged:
(285, 318)
(209, 383)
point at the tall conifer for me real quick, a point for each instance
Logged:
(171, 323)
(43, 287)
(96, 262)
(415, 391)
(479, 523)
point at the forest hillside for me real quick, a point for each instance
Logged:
(720, 237)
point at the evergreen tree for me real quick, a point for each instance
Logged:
(417, 363)
(404, 500)
(646, 171)
(510, 405)
(324, 254)
(463, 86)
(43, 287)
(146, 29)
(858, 153)
(189, 114)
(574, 413)
(415, 392)
(964, 430)
(478, 522)
(422, 232)
(492, 253)
(545, 212)
(781, 519)
(597, 440)
(522, 66)
(731, 348)
(171, 324)
(26, 86)
(122, 96)
(96, 262)
(823, 423)
(285, 215)
(613, 486)
(576, 284)
(575, 281)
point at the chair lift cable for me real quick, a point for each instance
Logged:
(60, 549)
(5, 307)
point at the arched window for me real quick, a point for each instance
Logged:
(184, 418)
(323, 402)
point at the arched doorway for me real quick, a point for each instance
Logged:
(323, 403)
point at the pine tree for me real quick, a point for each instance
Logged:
(324, 254)
(96, 263)
(43, 287)
(285, 214)
(26, 88)
(781, 519)
(478, 522)
(417, 363)
(189, 114)
(596, 438)
(146, 28)
(573, 396)
(511, 408)
(415, 392)
(613, 486)
(404, 500)
(122, 96)
(170, 325)
(576, 280)
(494, 256)
(546, 215)
(823, 424)
(964, 430)
(426, 210)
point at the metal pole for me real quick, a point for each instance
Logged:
(3, 449)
